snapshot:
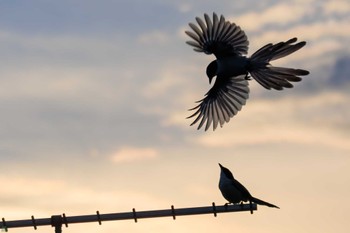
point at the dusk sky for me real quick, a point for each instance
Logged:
(94, 97)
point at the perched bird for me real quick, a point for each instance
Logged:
(229, 44)
(234, 192)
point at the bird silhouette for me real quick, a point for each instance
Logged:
(234, 192)
(232, 69)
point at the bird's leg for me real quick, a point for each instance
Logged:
(247, 77)
(226, 204)
(241, 205)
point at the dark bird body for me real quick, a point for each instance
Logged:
(231, 68)
(234, 192)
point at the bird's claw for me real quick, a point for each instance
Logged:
(241, 204)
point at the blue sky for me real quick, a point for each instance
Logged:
(94, 98)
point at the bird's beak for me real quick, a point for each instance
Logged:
(211, 71)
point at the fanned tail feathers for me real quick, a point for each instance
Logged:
(275, 77)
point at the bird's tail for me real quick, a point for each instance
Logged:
(275, 77)
(261, 202)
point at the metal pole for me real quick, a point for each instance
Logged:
(58, 220)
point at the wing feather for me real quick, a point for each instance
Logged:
(223, 101)
(217, 36)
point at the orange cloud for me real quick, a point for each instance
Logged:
(129, 154)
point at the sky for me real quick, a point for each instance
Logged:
(93, 105)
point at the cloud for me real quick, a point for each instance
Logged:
(25, 195)
(185, 7)
(323, 24)
(61, 44)
(278, 134)
(175, 88)
(162, 85)
(280, 14)
(341, 71)
(154, 37)
(131, 154)
(339, 7)
(325, 41)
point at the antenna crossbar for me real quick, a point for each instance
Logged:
(58, 220)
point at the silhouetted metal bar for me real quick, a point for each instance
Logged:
(57, 220)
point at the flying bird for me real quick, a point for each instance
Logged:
(234, 192)
(233, 69)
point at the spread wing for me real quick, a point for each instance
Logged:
(223, 101)
(218, 37)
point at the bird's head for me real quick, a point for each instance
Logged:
(212, 70)
(226, 172)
